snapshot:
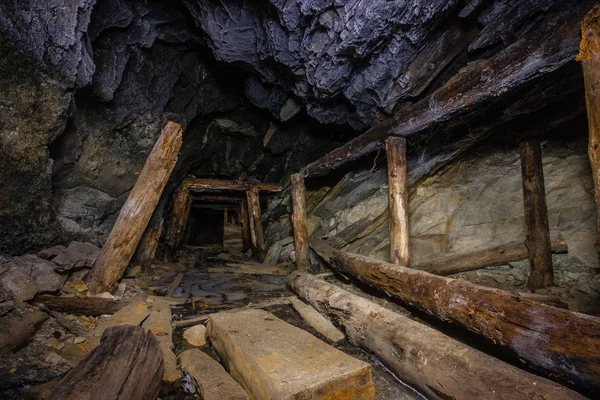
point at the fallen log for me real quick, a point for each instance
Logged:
(560, 342)
(514, 251)
(136, 212)
(439, 366)
(589, 55)
(92, 306)
(127, 365)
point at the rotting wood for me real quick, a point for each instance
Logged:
(136, 212)
(256, 228)
(541, 273)
(439, 366)
(217, 185)
(317, 321)
(144, 254)
(510, 252)
(181, 205)
(561, 342)
(398, 200)
(589, 55)
(92, 306)
(299, 222)
(128, 365)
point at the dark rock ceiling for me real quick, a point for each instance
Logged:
(86, 84)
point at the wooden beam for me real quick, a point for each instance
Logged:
(299, 222)
(437, 365)
(136, 212)
(202, 185)
(510, 252)
(398, 200)
(560, 342)
(589, 55)
(536, 216)
(94, 306)
(216, 198)
(256, 228)
(182, 202)
(245, 224)
(144, 254)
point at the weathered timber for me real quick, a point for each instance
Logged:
(398, 200)
(144, 254)
(245, 226)
(127, 365)
(589, 55)
(92, 306)
(463, 97)
(136, 212)
(299, 222)
(439, 366)
(514, 251)
(256, 228)
(215, 198)
(204, 185)
(561, 342)
(541, 273)
(317, 321)
(182, 202)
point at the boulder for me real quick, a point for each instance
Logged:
(28, 275)
(50, 253)
(18, 327)
(195, 336)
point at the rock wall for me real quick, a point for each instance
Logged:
(475, 203)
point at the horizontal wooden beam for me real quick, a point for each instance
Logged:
(561, 342)
(203, 185)
(510, 252)
(217, 199)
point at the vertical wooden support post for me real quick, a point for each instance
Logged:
(182, 202)
(136, 212)
(589, 55)
(245, 224)
(225, 217)
(256, 228)
(398, 200)
(299, 222)
(144, 254)
(536, 216)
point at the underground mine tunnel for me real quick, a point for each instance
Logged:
(301, 199)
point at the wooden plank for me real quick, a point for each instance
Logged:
(437, 365)
(561, 342)
(128, 365)
(256, 228)
(510, 252)
(299, 222)
(398, 200)
(589, 55)
(92, 306)
(136, 212)
(541, 273)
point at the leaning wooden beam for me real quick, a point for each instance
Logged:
(221, 185)
(541, 273)
(136, 212)
(128, 364)
(256, 228)
(181, 205)
(398, 200)
(514, 251)
(437, 365)
(144, 254)
(299, 222)
(589, 55)
(561, 342)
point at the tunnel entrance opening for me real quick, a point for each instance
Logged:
(205, 226)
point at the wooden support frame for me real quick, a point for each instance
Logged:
(589, 55)
(541, 273)
(299, 222)
(136, 212)
(561, 342)
(256, 228)
(398, 200)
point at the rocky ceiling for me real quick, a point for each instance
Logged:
(262, 87)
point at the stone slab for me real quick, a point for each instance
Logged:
(213, 382)
(272, 359)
